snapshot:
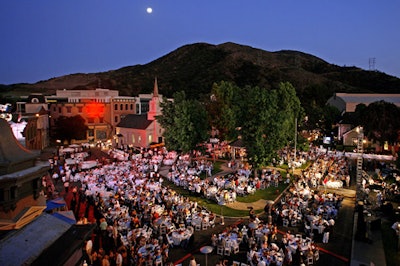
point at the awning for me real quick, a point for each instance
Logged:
(66, 216)
(54, 204)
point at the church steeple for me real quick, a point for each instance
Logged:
(154, 104)
(155, 89)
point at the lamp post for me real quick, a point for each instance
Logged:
(206, 250)
(295, 144)
(222, 217)
(270, 204)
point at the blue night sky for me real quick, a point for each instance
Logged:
(42, 39)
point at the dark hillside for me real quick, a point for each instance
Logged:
(195, 67)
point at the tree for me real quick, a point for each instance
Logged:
(222, 109)
(185, 123)
(268, 121)
(380, 121)
(68, 128)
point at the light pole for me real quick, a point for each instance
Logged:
(206, 250)
(270, 204)
(295, 143)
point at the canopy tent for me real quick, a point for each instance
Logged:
(55, 204)
(66, 216)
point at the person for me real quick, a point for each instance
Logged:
(325, 238)
(192, 261)
(396, 227)
(379, 198)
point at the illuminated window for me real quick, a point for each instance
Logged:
(139, 139)
(133, 138)
(150, 139)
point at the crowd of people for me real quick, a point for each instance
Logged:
(139, 219)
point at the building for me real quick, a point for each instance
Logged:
(28, 235)
(102, 110)
(347, 102)
(142, 130)
(347, 127)
(36, 115)
(20, 182)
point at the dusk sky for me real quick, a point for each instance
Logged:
(42, 39)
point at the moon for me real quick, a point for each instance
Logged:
(149, 10)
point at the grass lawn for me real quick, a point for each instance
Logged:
(268, 194)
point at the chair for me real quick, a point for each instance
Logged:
(244, 264)
(197, 227)
(310, 260)
(299, 236)
(163, 229)
(158, 262)
(227, 251)
(170, 241)
(235, 263)
(220, 250)
(294, 222)
(285, 222)
(316, 255)
(212, 222)
(205, 226)
(235, 249)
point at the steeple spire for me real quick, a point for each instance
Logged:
(155, 90)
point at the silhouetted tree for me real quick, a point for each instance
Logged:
(68, 128)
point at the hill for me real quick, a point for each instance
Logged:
(195, 67)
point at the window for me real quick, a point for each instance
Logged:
(131, 106)
(115, 106)
(69, 109)
(133, 138)
(80, 109)
(150, 138)
(121, 107)
(139, 139)
(59, 110)
(90, 120)
(90, 132)
(116, 119)
(101, 119)
(126, 106)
